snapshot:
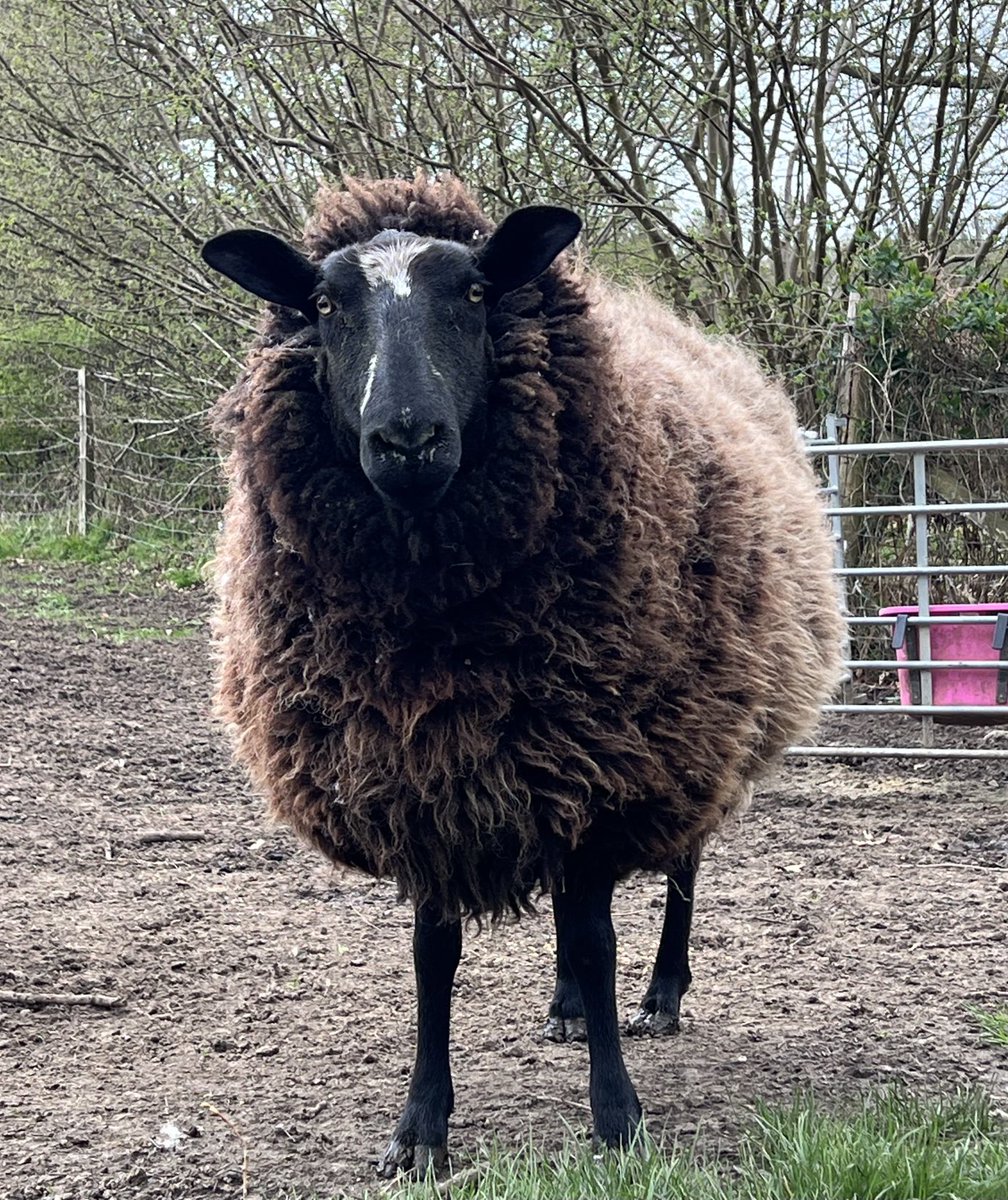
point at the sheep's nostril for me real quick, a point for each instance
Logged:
(379, 444)
(403, 439)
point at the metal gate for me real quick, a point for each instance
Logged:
(916, 670)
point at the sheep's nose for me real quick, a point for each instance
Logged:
(409, 439)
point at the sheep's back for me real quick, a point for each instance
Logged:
(751, 588)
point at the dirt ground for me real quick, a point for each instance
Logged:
(844, 931)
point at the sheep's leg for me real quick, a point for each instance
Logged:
(671, 977)
(565, 1022)
(421, 1137)
(585, 931)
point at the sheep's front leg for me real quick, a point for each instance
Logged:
(671, 977)
(585, 931)
(421, 1137)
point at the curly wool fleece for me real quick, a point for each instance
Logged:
(613, 623)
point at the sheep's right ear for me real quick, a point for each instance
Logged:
(266, 266)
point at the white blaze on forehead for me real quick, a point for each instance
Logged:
(369, 382)
(389, 265)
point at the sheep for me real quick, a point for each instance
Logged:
(523, 583)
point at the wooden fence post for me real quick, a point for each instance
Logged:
(853, 403)
(85, 455)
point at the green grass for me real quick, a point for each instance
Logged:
(54, 606)
(143, 633)
(891, 1147)
(175, 557)
(46, 586)
(994, 1025)
(46, 540)
(896, 1147)
(60, 606)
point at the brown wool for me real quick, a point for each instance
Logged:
(615, 621)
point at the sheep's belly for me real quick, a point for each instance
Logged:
(486, 835)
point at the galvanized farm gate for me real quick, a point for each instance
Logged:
(909, 659)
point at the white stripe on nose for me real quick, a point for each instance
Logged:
(369, 382)
(434, 371)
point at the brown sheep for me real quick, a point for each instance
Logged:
(523, 583)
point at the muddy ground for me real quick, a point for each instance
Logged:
(844, 931)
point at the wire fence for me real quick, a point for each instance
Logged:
(87, 459)
(39, 478)
(147, 479)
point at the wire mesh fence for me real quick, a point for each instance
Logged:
(37, 466)
(98, 453)
(96, 463)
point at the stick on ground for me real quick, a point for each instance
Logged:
(170, 835)
(32, 999)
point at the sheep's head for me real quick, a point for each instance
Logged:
(404, 356)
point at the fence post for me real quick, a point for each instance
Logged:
(85, 455)
(834, 494)
(923, 593)
(851, 403)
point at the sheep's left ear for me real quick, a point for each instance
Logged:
(524, 245)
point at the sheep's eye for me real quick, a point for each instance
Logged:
(324, 305)
(475, 293)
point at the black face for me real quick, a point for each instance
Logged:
(404, 355)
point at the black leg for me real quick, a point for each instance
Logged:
(670, 979)
(421, 1137)
(565, 1022)
(584, 929)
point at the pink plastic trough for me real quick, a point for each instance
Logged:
(977, 641)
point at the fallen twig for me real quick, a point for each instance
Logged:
(31, 999)
(555, 1102)
(985, 942)
(170, 835)
(459, 1179)
(966, 866)
(212, 1108)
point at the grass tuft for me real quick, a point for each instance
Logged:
(892, 1147)
(175, 557)
(44, 539)
(993, 1025)
(895, 1147)
(646, 1173)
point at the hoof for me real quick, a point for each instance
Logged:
(619, 1128)
(565, 1029)
(419, 1160)
(653, 1024)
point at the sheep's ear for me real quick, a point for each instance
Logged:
(525, 244)
(266, 266)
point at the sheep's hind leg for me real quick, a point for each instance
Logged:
(566, 1021)
(585, 930)
(420, 1140)
(671, 977)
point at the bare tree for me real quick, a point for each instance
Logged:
(741, 158)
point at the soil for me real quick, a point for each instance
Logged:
(845, 929)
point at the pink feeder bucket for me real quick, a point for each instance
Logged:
(977, 641)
